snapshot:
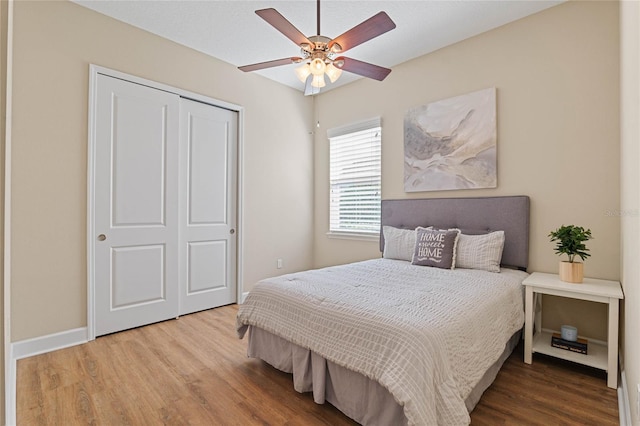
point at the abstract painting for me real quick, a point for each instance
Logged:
(451, 144)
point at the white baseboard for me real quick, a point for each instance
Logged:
(31, 347)
(51, 342)
(10, 414)
(244, 296)
(624, 408)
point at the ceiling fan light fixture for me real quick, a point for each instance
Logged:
(333, 72)
(318, 81)
(317, 67)
(320, 54)
(303, 72)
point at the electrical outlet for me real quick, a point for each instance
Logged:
(279, 264)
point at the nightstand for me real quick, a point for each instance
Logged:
(601, 356)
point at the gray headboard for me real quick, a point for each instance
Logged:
(471, 215)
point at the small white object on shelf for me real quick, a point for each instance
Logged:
(569, 333)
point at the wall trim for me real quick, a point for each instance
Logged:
(51, 342)
(624, 409)
(10, 391)
(9, 363)
(31, 347)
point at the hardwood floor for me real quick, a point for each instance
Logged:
(548, 392)
(195, 371)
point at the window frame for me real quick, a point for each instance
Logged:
(373, 124)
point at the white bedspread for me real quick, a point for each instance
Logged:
(426, 334)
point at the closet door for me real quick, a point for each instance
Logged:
(136, 205)
(208, 147)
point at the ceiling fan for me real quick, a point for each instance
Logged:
(322, 55)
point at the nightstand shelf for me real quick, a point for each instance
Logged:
(596, 356)
(602, 356)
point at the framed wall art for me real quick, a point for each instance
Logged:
(451, 144)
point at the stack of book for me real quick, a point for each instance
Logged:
(579, 346)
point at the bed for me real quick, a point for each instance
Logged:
(391, 343)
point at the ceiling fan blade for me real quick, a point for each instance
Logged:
(269, 64)
(363, 68)
(373, 27)
(281, 24)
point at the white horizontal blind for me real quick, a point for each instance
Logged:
(355, 168)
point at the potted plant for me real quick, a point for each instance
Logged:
(570, 241)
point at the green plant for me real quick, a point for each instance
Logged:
(570, 241)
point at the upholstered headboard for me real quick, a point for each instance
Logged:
(471, 215)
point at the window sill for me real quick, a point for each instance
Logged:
(353, 236)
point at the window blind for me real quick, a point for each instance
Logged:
(355, 183)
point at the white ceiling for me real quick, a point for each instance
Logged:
(232, 32)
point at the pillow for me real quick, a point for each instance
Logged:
(398, 243)
(480, 251)
(435, 247)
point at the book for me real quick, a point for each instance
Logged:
(580, 346)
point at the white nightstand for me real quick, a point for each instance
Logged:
(604, 357)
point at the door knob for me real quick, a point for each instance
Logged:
(102, 237)
(232, 231)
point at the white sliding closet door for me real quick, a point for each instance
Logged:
(208, 148)
(163, 219)
(136, 205)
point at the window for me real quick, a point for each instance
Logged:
(354, 175)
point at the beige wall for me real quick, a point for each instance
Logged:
(630, 193)
(54, 42)
(556, 75)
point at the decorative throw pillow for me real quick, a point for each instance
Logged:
(435, 247)
(480, 251)
(398, 243)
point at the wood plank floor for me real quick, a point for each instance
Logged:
(195, 371)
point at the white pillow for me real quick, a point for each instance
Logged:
(398, 243)
(480, 251)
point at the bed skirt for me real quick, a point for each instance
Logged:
(358, 397)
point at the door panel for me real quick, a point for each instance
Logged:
(207, 263)
(139, 142)
(137, 275)
(208, 169)
(208, 217)
(136, 205)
